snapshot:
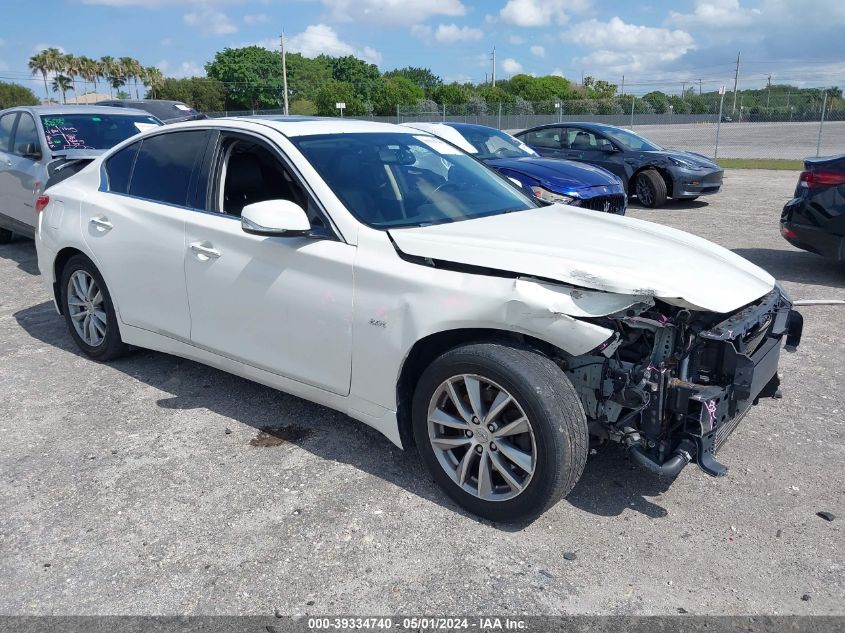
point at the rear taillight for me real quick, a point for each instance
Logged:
(41, 203)
(813, 179)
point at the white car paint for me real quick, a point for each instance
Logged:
(334, 320)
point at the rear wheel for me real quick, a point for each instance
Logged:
(88, 310)
(6, 236)
(501, 430)
(650, 188)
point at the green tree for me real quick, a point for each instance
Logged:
(599, 88)
(422, 77)
(12, 95)
(495, 94)
(252, 76)
(154, 80)
(39, 63)
(201, 93)
(395, 91)
(658, 101)
(333, 92)
(302, 106)
(452, 94)
(62, 84)
(305, 76)
(363, 76)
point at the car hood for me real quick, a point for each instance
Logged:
(692, 157)
(598, 251)
(557, 174)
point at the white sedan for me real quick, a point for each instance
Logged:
(383, 272)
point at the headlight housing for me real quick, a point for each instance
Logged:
(550, 196)
(686, 164)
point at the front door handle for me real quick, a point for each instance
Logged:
(102, 222)
(205, 249)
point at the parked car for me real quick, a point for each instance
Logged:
(561, 181)
(41, 145)
(647, 170)
(383, 272)
(166, 111)
(814, 220)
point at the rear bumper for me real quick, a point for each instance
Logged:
(807, 237)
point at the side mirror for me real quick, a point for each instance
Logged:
(276, 218)
(30, 150)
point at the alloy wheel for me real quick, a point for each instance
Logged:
(644, 191)
(482, 437)
(86, 308)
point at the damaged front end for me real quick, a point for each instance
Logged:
(673, 383)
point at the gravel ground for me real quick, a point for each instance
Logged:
(146, 486)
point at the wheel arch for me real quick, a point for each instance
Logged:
(426, 349)
(59, 263)
(663, 171)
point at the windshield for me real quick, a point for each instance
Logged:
(490, 143)
(392, 180)
(629, 139)
(93, 131)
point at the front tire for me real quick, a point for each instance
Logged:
(650, 188)
(88, 310)
(501, 429)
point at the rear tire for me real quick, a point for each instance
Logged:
(505, 465)
(650, 188)
(88, 310)
(6, 236)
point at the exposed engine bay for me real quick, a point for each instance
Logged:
(672, 383)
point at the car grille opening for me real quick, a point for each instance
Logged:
(608, 204)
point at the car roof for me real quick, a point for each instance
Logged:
(77, 109)
(310, 125)
(584, 124)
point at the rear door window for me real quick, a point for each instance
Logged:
(165, 167)
(548, 138)
(26, 137)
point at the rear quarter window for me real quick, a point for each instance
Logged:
(119, 168)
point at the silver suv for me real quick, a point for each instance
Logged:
(42, 145)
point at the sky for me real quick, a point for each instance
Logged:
(655, 44)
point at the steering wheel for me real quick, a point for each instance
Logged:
(502, 152)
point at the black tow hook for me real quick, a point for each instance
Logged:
(680, 457)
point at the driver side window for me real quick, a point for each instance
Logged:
(585, 140)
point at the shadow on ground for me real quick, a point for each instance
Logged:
(610, 484)
(797, 266)
(672, 205)
(21, 251)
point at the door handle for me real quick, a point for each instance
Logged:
(101, 222)
(204, 249)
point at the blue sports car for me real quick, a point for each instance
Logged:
(550, 179)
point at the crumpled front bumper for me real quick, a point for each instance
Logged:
(735, 365)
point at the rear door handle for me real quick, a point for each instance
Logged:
(205, 249)
(101, 222)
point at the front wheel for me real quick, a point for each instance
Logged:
(89, 311)
(650, 188)
(501, 429)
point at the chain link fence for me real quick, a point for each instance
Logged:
(777, 127)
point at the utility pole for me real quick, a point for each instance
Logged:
(699, 87)
(768, 93)
(623, 85)
(736, 80)
(683, 91)
(284, 72)
(494, 66)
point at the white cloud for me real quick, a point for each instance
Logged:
(511, 66)
(392, 11)
(210, 21)
(538, 51)
(258, 18)
(516, 40)
(619, 46)
(715, 13)
(542, 12)
(447, 33)
(42, 46)
(185, 69)
(557, 72)
(319, 39)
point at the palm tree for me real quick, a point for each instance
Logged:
(131, 69)
(70, 67)
(62, 84)
(154, 79)
(38, 64)
(89, 71)
(107, 68)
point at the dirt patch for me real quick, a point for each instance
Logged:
(269, 436)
